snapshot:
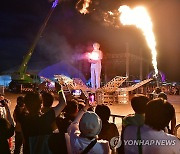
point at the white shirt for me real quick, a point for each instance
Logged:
(154, 142)
(98, 60)
(2, 112)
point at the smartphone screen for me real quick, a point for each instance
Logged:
(76, 93)
(91, 98)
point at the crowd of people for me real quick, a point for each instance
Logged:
(170, 90)
(78, 128)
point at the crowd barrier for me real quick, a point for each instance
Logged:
(121, 117)
(114, 117)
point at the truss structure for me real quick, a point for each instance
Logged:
(72, 84)
(79, 84)
(114, 84)
(109, 93)
(135, 86)
(65, 82)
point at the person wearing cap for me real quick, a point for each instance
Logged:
(95, 58)
(84, 131)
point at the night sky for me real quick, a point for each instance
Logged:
(69, 32)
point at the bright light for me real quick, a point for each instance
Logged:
(52, 84)
(110, 12)
(85, 6)
(94, 56)
(141, 19)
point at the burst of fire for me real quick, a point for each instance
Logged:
(110, 12)
(93, 56)
(85, 6)
(141, 19)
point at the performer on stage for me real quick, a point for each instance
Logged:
(95, 59)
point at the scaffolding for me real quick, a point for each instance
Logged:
(109, 93)
(135, 86)
(114, 84)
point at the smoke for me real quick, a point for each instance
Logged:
(55, 47)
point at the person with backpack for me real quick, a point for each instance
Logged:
(84, 132)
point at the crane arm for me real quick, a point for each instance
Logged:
(23, 66)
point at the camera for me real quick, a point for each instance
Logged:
(76, 93)
(91, 98)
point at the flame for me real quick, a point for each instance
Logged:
(85, 6)
(94, 56)
(110, 12)
(110, 18)
(141, 19)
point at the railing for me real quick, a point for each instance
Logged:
(117, 116)
(120, 116)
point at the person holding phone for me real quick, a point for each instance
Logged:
(84, 131)
(3, 101)
(36, 126)
(92, 99)
(6, 129)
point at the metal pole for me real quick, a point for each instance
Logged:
(141, 66)
(157, 82)
(127, 60)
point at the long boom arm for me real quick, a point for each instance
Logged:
(23, 66)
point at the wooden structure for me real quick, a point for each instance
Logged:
(109, 93)
(114, 94)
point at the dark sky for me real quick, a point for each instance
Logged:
(68, 31)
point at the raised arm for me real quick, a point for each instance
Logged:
(81, 112)
(62, 103)
(74, 125)
(9, 117)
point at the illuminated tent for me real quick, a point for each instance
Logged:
(64, 68)
(5, 80)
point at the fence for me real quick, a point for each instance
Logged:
(120, 116)
(114, 117)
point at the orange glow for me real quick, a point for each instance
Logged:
(85, 6)
(141, 19)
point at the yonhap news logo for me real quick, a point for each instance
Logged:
(150, 142)
(116, 142)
